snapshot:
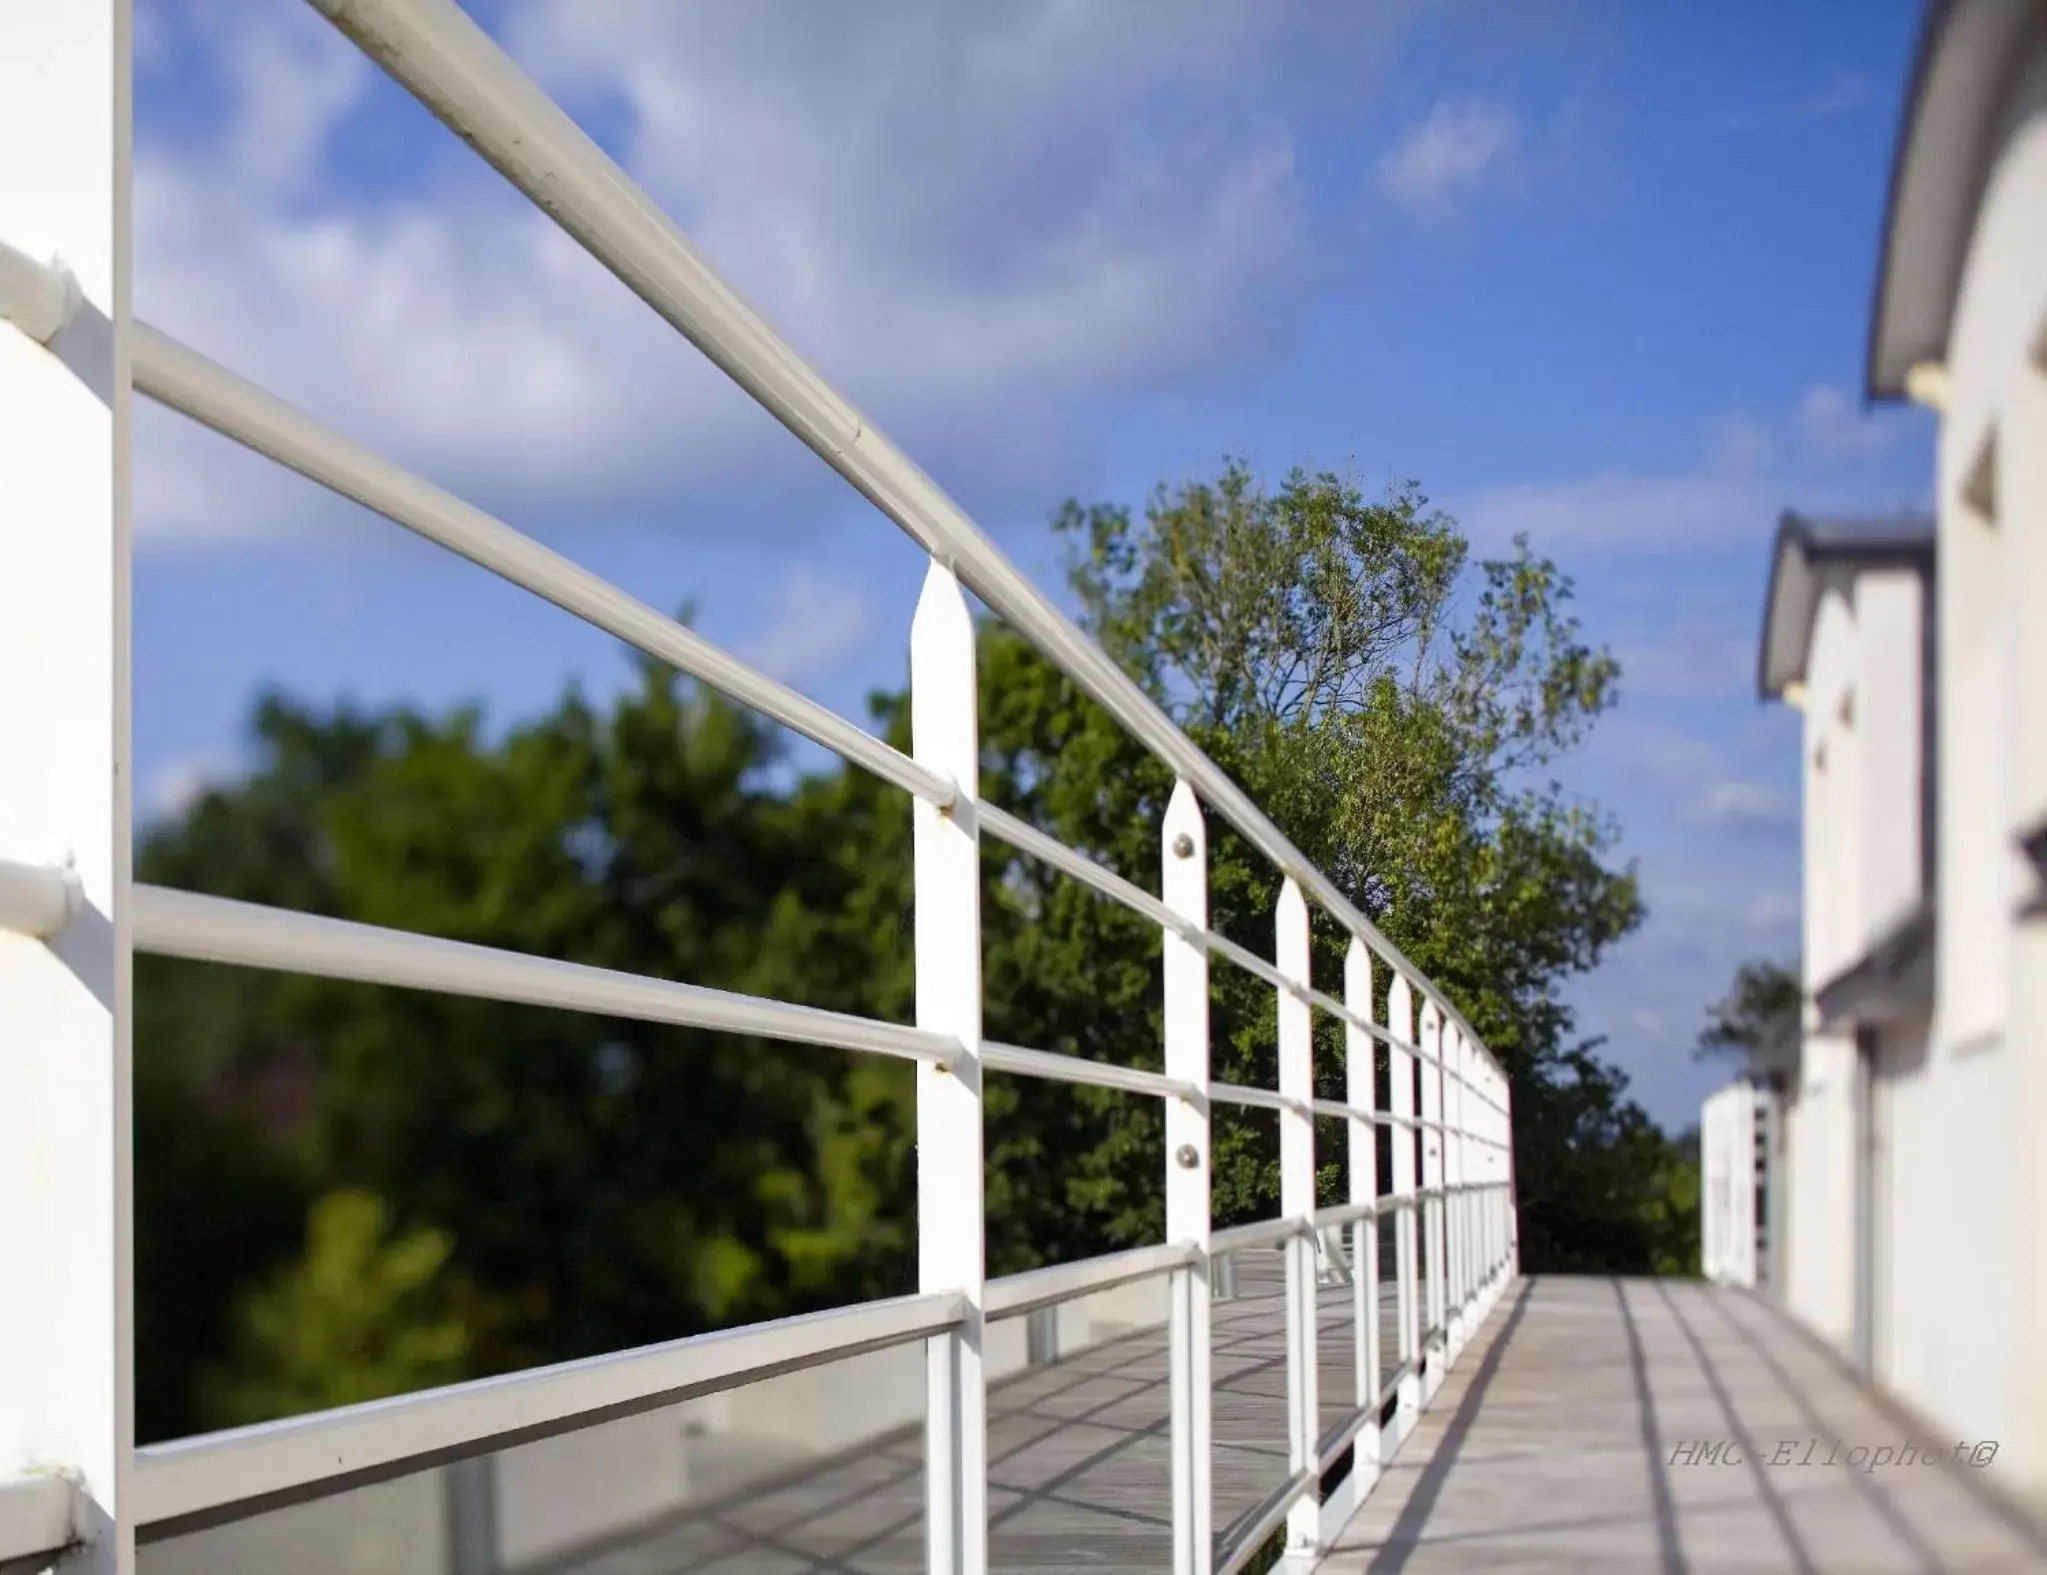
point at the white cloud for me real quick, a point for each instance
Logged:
(1742, 446)
(1835, 427)
(1843, 459)
(1619, 510)
(1461, 144)
(1774, 911)
(816, 623)
(174, 788)
(1055, 223)
(1842, 94)
(1742, 804)
(1687, 659)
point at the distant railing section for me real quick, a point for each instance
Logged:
(1450, 1206)
(1734, 1179)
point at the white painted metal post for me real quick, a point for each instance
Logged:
(1297, 1202)
(950, 1236)
(1400, 1102)
(1454, 1201)
(1361, 1093)
(1431, 1042)
(1467, 1199)
(66, 1345)
(1712, 1165)
(1511, 1206)
(1184, 882)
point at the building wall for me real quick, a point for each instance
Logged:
(1888, 732)
(1819, 1129)
(1914, 1310)
(1984, 1095)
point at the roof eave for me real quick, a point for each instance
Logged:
(1964, 63)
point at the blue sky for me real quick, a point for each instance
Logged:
(1598, 272)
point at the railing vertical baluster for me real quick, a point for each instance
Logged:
(1453, 1175)
(1510, 1208)
(1431, 1042)
(951, 1246)
(1361, 1093)
(66, 1319)
(1400, 1102)
(1184, 884)
(1297, 1202)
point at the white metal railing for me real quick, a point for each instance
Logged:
(66, 370)
(1730, 1146)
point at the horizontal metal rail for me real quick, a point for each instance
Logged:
(1339, 1437)
(1258, 1233)
(461, 76)
(38, 1519)
(1021, 835)
(37, 900)
(1026, 838)
(214, 929)
(1062, 1282)
(1241, 1541)
(187, 382)
(1255, 965)
(219, 1476)
(1345, 1214)
(1056, 1068)
(1260, 1098)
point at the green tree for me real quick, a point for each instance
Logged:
(369, 1311)
(597, 1184)
(1760, 1009)
(222, 1074)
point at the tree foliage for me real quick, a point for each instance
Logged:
(511, 1185)
(1760, 1008)
(367, 1312)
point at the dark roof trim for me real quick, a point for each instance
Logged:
(1804, 547)
(2033, 844)
(1893, 979)
(1970, 57)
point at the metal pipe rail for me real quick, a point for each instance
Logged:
(1026, 838)
(183, 380)
(195, 1482)
(457, 72)
(1449, 1206)
(214, 929)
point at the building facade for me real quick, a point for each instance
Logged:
(1914, 1160)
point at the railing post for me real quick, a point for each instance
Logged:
(1400, 1103)
(1184, 883)
(1297, 1202)
(1361, 1093)
(1431, 1112)
(1456, 1202)
(950, 1230)
(66, 1331)
(1511, 1205)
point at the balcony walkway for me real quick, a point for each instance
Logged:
(1078, 1473)
(1558, 1441)
(1549, 1448)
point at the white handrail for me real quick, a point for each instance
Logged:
(38, 1519)
(179, 1486)
(459, 73)
(186, 381)
(214, 929)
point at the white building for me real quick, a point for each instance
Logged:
(1913, 1169)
